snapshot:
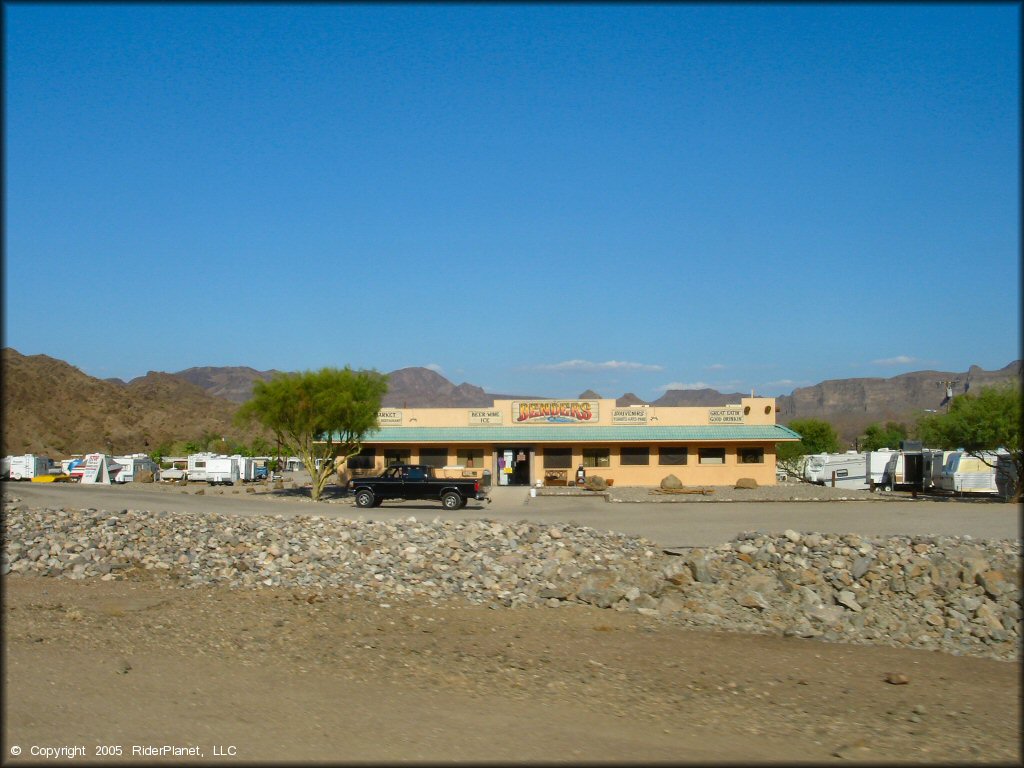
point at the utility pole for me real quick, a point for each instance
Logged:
(948, 385)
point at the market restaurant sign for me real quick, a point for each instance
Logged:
(725, 416)
(554, 411)
(389, 418)
(629, 415)
(492, 416)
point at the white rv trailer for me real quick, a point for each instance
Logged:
(845, 470)
(875, 464)
(132, 465)
(221, 470)
(906, 470)
(965, 473)
(814, 465)
(26, 467)
(246, 468)
(934, 463)
(197, 465)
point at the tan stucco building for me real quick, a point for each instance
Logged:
(526, 442)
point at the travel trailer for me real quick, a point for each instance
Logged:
(842, 470)
(905, 470)
(197, 465)
(875, 464)
(964, 473)
(132, 465)
(221, 470)
(25, 467)
(246, 468)
(934, 463)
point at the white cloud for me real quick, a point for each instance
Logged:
(714, 367)
(434, 367)
(587, 365)
(683, 385)
(898, 360)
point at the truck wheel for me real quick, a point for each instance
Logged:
(451, 500)
(364, 498)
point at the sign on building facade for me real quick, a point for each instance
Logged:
(554, 411)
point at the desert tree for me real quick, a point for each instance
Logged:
(320, 416)
(876, 436)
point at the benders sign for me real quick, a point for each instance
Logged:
(557, 411)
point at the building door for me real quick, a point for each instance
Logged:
(514, 465)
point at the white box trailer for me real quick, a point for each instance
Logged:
(197, 465)
(26, 467)
(221, 470)
(965, 473)
(246, 468)
(844, 470)
(132, 465)
(875, 464)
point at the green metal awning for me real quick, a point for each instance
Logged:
(773, 433)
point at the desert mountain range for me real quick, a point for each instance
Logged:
(52, 407)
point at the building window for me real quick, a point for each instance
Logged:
(596, 457)
(470, 457)
(365, 459)
(672, 455)
(396, 457)
(557, 458)
(434, 457)
(629, 455)
(751, 455)
(711, 455)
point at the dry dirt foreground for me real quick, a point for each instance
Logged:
(277, 675)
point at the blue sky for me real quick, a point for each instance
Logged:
(537, 199)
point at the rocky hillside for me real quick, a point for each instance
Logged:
(234, 384)
(851, 404)
(53, 408)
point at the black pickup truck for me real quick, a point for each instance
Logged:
(414, 482)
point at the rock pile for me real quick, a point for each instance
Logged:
(953, 594)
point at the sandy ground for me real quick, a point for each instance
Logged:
(281, 675)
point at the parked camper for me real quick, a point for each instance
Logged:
(132, 465)
(905, 470)
(221, 470)
(965, 473)
(843, 470)
(814, 466)
(875, 464)
(26, 467)
(934, 463)
(246, 468)
(197, 465)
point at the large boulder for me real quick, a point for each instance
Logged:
(595, 483)
(671, 483)
(144, 476)
(746, 482)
